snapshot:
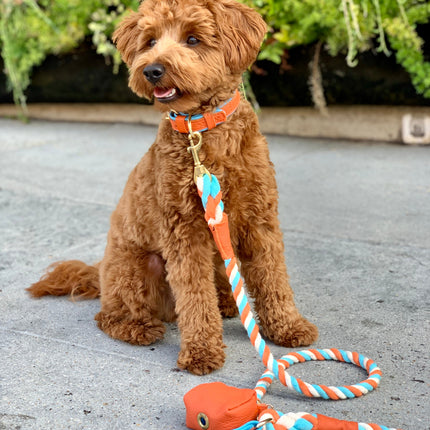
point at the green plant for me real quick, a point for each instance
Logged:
(103, 22)
(30, 30)
(349, 27)
(408, 46)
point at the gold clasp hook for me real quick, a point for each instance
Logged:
(199, 169)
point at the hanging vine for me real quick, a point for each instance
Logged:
(349, 27)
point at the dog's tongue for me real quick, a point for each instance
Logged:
(161, 93)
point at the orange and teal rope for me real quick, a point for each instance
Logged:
(210, 193)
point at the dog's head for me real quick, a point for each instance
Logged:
(188, 53)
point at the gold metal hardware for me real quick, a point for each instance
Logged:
(203, 420)
(199, 169)
(262, 424)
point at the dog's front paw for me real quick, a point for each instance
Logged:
(299, 332)
(302, 333)
(200, 360)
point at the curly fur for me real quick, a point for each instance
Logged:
(160, 262)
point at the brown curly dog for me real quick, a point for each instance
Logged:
(161, 262)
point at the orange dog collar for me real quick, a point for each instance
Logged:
(205, 121)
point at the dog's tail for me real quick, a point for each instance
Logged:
(73, 278)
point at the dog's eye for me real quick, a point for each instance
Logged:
(192, 41)
(152, 42)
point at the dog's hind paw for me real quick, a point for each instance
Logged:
(228, 309)
(134, 332)
(200, 360)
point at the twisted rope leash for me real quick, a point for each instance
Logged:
(210, 193)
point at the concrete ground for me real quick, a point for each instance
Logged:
(357, 231)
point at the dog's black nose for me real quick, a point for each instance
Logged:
(154, 72)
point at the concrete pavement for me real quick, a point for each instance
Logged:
(357, 233)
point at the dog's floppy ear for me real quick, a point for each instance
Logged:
(125, 37)
(242, 31)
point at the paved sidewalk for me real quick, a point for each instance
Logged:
(357, 232)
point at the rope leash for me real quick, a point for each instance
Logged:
(210, 193)
(275, 420)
